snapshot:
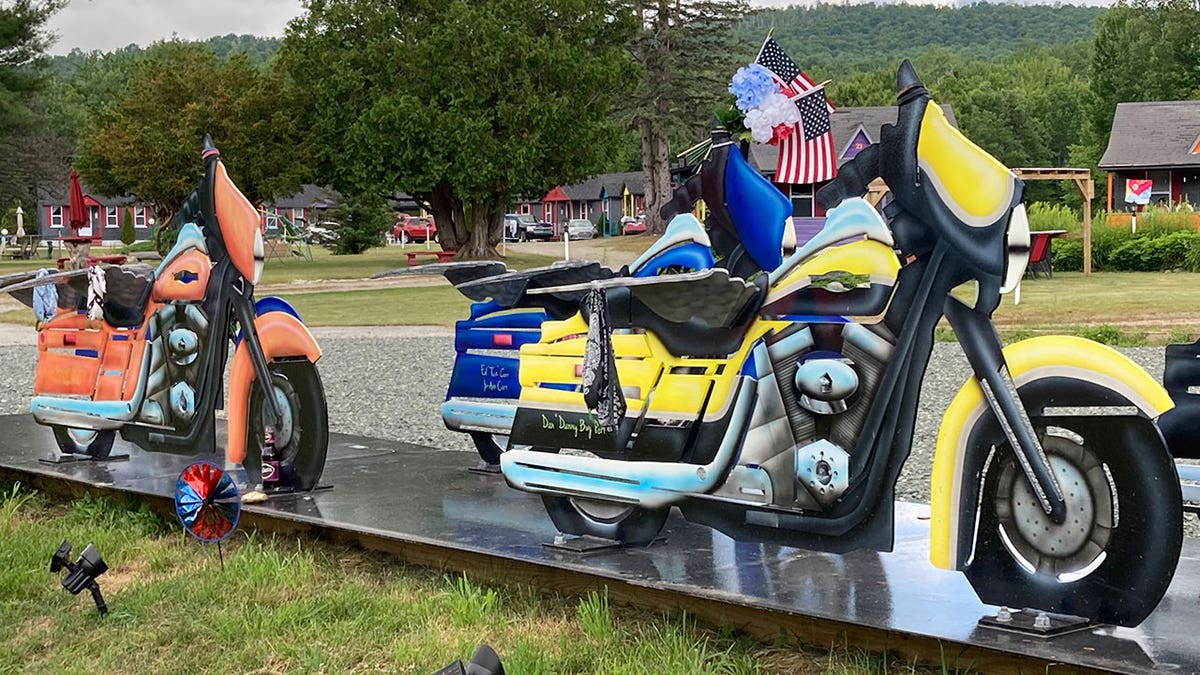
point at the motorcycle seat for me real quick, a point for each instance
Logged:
(510, 290)
(703, 315)
(126, 294)
(683, 229)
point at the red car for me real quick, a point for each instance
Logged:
(632, 226)
(414, 228)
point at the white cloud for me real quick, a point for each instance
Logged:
(109, 24)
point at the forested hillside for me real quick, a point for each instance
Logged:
(841, 36)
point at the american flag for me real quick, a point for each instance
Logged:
(806, 157)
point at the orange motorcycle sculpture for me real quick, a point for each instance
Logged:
(154, 368)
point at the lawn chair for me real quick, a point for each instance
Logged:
(294, 238)
(1039, 255)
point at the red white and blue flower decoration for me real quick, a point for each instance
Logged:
(767, 106)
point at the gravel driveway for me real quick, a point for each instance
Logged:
(389, 382)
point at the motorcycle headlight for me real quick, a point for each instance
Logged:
(1018, 249)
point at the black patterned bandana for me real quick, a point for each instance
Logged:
(601, 388)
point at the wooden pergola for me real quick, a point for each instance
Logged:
(1081, 177)
(1083, 180)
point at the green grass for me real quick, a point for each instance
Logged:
(416, 306)
(325, 265)
(281, 604)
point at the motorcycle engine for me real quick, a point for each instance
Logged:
(826, 377)
(177, 332)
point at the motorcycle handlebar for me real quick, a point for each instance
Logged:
(853, 178)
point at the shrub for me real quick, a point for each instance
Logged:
(361, 223)
(1043, 216)
(128, 235)
(1161, 245)
(1068, 255)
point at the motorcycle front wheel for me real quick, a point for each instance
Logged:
(1122, 532)
(302, 439)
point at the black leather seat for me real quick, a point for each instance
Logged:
(693, 337)
(126, 293)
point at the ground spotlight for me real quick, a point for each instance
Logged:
(82, 573)
(483, 662)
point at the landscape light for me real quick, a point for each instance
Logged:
(82, 573)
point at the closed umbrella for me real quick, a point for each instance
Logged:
(20, 222)
(78, 249)
(78, 210)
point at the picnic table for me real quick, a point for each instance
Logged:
(95, 260)
(23, 247)
(442, 256)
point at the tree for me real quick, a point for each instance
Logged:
(148, 143)
(28, 154)
(461, 104)
(686, 52)
(128, 234)
(361, 223)
(1144, 50)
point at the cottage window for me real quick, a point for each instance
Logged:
(56, 218)
(546, 210)
(802, 201)
(111, 219)
(139, 216)
(297, 215)
(272, 217)
(583, 210)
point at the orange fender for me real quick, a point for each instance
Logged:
(281, 335)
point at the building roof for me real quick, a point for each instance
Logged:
(309, 196)
(1151, 135)
(845, 123)
(56, 194)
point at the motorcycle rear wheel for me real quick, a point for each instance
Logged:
(304, 436)
(1123, 508)
(630, 525)
(94, 444)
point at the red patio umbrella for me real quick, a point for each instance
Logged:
(79, 216)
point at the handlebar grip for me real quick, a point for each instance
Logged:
(852, 179)
(683, 200)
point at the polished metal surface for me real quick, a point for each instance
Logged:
(425, 496)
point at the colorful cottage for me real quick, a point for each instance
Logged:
(105, 215)
(1158, 141)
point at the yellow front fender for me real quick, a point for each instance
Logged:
(1028, 360)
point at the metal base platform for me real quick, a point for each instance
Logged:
(422, 505)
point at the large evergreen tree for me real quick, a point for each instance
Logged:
(30, 153)
(687, 53)
(462, 104)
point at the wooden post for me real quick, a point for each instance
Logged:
(1087, 190)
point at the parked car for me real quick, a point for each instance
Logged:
(516, 226)
(540, 230)
(414, 228)
(580, 228)
(633, 225)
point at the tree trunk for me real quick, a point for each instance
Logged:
(656, 175)
(487, 221)
(448, 217)
(655, 168)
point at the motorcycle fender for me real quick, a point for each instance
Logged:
(1028, 360)
(282, 336)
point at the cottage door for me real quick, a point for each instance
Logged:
(93, 222)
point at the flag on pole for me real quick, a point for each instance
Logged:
(806, 157)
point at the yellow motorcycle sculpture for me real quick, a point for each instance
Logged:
(774, 399)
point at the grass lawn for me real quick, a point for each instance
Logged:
(325, 265)
(281, 604)
(416, 306)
